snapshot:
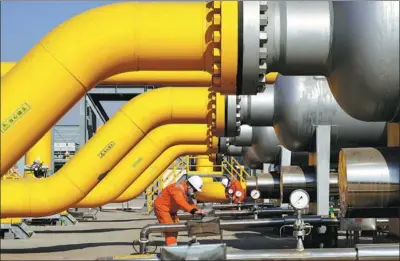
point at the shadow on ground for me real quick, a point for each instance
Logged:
(102, 230)
(61, 248)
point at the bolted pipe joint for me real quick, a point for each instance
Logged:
(244, 138)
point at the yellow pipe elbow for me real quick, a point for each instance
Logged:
(157, 168)
(42, 151)
(211, 192)
(270, 78)
(159, 78)
(100, 154)
(50, 69)
(141, 157)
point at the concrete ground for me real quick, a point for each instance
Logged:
(113, 233)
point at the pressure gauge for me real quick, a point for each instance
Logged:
(299, 199)
(255, 194)
(230, 191)
(238, 193)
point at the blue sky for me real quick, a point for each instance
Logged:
(24, 23)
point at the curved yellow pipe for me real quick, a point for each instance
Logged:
(120, 134)
(141, 157)
(211, 192)
(112, 39)
(159, 78)
(157, 168)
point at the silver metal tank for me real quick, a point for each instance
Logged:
(301, 102)
(265, 144)
(353, 43)
(250, 159)
(369, 182)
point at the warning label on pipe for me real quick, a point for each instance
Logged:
(15, 116)
(106, 149)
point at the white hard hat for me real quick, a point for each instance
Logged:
(196, 182)
(225, 182)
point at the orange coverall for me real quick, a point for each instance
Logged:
(171, 199)
(236, 186)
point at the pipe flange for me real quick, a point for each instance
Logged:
(253, 38)
(216, 41)
(232, 114)
(263, 68)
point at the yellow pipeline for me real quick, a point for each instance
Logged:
(112, 39)
(204, 166)
(157, 168)
(141, 157)
(42, 150)
(160, 78)
(213, 192)
(120, 134)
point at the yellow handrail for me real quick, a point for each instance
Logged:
(231, 167)
(163, 181)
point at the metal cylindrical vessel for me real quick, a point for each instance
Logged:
(302, 102)
(250, 159)
(369, 182)
(364, 76)
(295, 177)
(354, 43)
(265, 144)
(266, 183)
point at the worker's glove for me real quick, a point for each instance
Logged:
(200, 212)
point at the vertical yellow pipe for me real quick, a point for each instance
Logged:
(204, 166)
(42, 151)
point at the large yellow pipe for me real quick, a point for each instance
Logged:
(211, 192)
(42, 150)
(112, 39)
(159, 78)
(140, 157)
(157, 168)
(120, 134)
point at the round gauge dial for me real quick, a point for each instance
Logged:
(230, 191)
(238, 194)
(299, 199)
(255, 194)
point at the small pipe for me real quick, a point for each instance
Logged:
(245, 212)
(231, 224)
(241, 205)
(293, 254)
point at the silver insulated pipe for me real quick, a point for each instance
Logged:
(369, 182)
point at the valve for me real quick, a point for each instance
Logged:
(38, 169)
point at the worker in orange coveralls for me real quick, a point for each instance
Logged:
(174, 197)
(233, 189)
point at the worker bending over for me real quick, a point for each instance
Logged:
(174, 197)
(233, 189)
